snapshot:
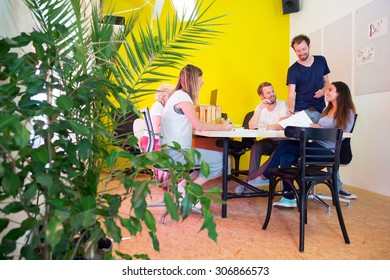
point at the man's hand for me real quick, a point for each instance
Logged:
(319, 93)
(264, 103)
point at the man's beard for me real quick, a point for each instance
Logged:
(304, 57)
(273, 100)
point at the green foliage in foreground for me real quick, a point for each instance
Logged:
(56, 130)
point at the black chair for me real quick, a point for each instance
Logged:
(345, 159)
(239, 148)
(123, 132)
(346, 151)
(311, 170)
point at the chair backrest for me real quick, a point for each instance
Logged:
(317, 156)
(346, 151)
(248, 116)
(245, 124)
(124, 130)
(125, 124)
(149, 128)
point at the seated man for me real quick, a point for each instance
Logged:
(267, 116)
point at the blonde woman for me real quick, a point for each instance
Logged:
(164, 91)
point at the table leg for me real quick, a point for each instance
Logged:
(225, 171)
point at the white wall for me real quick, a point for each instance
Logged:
(369, 168)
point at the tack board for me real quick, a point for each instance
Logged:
(372, 48)
(315, 42)
(338, 49)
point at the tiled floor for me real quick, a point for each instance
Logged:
(240, 235)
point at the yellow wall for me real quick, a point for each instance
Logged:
(254, 48)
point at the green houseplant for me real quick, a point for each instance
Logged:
(52, 150)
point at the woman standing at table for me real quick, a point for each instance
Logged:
(179, 118)
(340, 113)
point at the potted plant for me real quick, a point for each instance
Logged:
(53, 149)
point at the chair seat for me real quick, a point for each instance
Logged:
(292, 173)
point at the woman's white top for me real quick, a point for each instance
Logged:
(175, 126)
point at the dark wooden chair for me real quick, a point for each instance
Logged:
(312, 169)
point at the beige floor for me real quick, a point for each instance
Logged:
(240, 235)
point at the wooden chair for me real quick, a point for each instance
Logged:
(312, 169)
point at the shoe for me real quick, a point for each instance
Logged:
(258, 182)
(181, 190)
(240, 190)
(198, 206)
(344, 194)
(285, 202)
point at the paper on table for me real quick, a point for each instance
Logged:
(299, 119)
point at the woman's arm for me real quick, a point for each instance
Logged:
(189, 111)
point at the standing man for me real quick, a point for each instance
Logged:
(269, 112)
(307, 80)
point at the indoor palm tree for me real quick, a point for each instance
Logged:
(53, 149)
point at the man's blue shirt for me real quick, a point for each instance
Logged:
(307, 81)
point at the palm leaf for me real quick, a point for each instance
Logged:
(150, 54)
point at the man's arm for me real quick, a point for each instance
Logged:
(274, 126)
(254, 121)
(291, 99)
(321, 92)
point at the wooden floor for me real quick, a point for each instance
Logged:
(240, 236)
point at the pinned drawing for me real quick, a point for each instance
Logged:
(372, 52)
(377, 28)
(366, 55)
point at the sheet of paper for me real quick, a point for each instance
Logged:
(299, 119)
